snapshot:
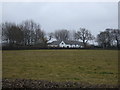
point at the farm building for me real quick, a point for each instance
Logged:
(66, 44)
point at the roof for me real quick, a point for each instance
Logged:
(73, 42)
(66, 42)
(55, 43)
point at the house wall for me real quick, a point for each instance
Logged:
(62, 44)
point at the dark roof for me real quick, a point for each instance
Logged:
(66, 42)
(73, 42)
(55, 43)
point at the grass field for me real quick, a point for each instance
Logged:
(91, 66)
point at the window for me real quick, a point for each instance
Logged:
(67, 46)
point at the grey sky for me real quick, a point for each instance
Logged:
(94, 16)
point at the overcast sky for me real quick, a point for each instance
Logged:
(94, 16)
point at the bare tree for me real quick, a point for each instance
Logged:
(16, 35)
(33, 34)
(105, 38)
(12, 34)
(28, 29)
(5, 27)
(116, 36)
(61, 34)
(84, 35)
(26, 33)
(39, 35)
(101, 39)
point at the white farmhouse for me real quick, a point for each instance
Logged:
(66, 44)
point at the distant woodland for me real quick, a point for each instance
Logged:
(29, 34)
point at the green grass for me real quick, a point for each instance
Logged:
(91, 66)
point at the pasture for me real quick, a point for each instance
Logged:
(87, 66)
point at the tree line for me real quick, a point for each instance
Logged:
(29, 33)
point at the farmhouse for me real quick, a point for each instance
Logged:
(66, 44)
